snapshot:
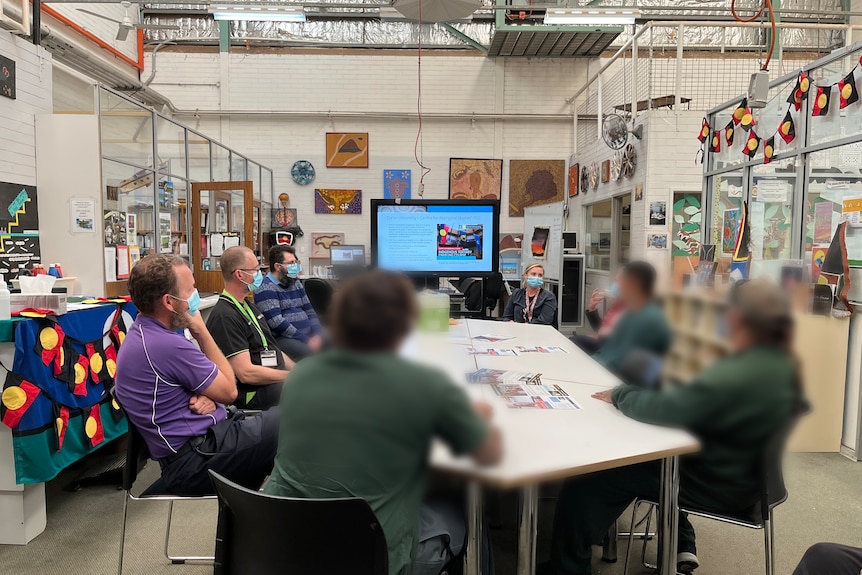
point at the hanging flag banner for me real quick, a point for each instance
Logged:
(847, 91)
(787, 129)
(768, 150)
(821, 102)
(704, 131)
(715, 142)
(751, 144)
(728, 133)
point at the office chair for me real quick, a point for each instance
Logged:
(269, 535)
(319, 293)
(493, 287)
(137, 455)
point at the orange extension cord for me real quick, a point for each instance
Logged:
(768, 5)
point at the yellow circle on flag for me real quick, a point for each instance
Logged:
(14, 398)
(112, 367)
(715, 141)
(91, 426)
(96, 363)
(739, 113)
(747, 119)
(821, 100)
(115, 405)
(442, 232)
(122, 337)
(80, 373)
(752, 144)
(803, 84)
(768, 150)
(62, 356)
(785, 128)
(846, 91)
(48, 338)
(59, 423)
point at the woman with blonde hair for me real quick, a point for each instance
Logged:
(531, 303)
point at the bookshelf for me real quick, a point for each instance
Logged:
(820, 344)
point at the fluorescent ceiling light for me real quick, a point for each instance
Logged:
(258, 13)
(390, 14)
(588, 17)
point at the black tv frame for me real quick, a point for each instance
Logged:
(494, 245)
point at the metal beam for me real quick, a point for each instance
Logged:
(223, 36)
(464, 37)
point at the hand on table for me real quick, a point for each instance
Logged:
(596, 299)
(603, 396)
(202, 405)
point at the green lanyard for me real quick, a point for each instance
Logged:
(246, 311)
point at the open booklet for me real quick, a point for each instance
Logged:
(522, 390)
(498, 352)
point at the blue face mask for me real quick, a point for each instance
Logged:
(256, 282)
(535, 282)
(293, 270)
(194, 302)
(614, 290)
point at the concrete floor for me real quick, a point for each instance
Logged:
(83, 531)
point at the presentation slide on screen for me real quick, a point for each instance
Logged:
(434, 238)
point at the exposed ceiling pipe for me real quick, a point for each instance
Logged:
(149, 80)
(377, 115)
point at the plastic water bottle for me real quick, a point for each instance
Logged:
(5, 301)
(433, 312)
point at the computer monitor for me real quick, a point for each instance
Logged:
(340, 255)
(436, 238)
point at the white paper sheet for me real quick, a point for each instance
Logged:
(216, 244)
(111, 264)
(231, 241)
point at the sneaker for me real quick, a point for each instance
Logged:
(686, 562)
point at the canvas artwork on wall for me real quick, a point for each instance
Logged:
(284, 217)
(322, 241)
(475, 179)
(534, 183)
(574, 179)
(730, 224)
(346, 150)
(396, 184)
(337, 201)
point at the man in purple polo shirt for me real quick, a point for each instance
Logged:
(174, 392)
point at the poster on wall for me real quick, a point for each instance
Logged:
(115, 228)
(396, 184)
(337, 201)
(657, 241)
(83, 215)
(539, 243)
(822, 222)
(535, 183)
(657, 213)
(165, 246)
(122, 262)
(346, 150)
(132, 228)
(19, 229)
(730, 223)
(471, 179)
(322, 241)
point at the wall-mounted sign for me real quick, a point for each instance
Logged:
(7, 77)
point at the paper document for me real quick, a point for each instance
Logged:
(493, 338)
(495, 376)
(540, 349)
(523, 396)
(498, 352)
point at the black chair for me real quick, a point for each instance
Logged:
(319, 293)
(268, 535)
(773, 493)
(493, 287)
(137, 455)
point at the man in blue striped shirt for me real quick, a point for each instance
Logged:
(285, 305)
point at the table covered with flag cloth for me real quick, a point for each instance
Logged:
(56, 398)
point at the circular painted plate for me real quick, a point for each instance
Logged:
(302, 172)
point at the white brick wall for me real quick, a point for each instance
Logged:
(100, 27)
(374, 83)
(17, 117)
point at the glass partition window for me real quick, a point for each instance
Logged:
(726, 212)
(171, 147)
(220, 163)
(266, 186)
(254, 176)
(126, 129)
(173, 217)
(127, 217)
(238, 172)
(771, 217)
(598, 235)
(199, 158)
(837, 123)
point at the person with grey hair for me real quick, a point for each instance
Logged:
(735, 408)
(531, 303)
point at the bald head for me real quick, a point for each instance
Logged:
(234, 259)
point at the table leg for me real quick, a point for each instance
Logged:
(527, 524)
(668, 516)
(473, 556)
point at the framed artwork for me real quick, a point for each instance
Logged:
(346, 150)
(730, 224)
(658, 213)
(639, 192)
(475, 179)
(284, 217)
(534, 183)
(337, 201)
(322, 241)
(656, 241)
(606, 171)
(574, 179)
(396, 184)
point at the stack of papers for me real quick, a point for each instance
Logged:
(540, 349)
(526, 396)
(495, 376)
(499, 352)
(493, 338)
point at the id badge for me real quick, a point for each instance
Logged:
(268, 358)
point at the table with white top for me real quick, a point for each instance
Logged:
(547, 445)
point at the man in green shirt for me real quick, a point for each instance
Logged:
(735, 408)
(358, 421)
(642, 325)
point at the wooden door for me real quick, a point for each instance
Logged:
(221, 215)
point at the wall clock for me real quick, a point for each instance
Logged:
(302, 172)
(630, 161)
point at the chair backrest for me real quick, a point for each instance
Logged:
(268, 535)
(773, 490)
(319, 293)
(493, 290)
(642, 368)
(472, 290)
(137, 453)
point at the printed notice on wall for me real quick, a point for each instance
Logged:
(19, 229)
(83, 214)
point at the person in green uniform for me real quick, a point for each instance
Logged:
(358, 420)
(734, 408)
(642, 325)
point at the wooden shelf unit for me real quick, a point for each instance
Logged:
(820, 344)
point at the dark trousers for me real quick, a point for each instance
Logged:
(240, 448)
(589, 344)
(830, 559)
(588, 506)
(258, 397)
(293, 348)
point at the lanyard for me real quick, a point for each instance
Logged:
(249, 315)
(528, 309)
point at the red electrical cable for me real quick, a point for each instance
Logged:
(767, 4)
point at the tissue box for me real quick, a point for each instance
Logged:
(56, 302)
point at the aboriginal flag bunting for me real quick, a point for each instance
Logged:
(847, 91)
(18, 395)
(821, 101)
(704, 131)
(728, 133)
(61, 424)
(93, 425)
(81, 368)
(787, 129)
(768, 150)
(751, 144)
(747, 121)
(800, 91)
(740, 111)
(715, 142)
